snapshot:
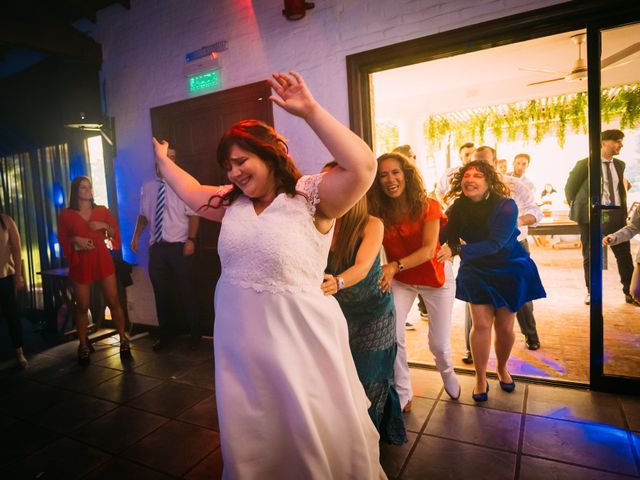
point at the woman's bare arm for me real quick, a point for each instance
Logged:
(192, 192)
(344, 185)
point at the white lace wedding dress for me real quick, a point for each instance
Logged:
(290, 404)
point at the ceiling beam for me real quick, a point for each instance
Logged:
(55, 39)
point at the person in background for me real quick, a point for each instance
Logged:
(84, 229)
(465, 151)
(11, 280)
(289, 399)
(520, 164)
(625, 234)
(411, 227)
(172, 243)
(548, 191)
(422, 308)
(613, 193)
(496, 275)
(407, 151)
(353, 275)
(502, 166)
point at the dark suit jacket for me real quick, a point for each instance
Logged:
(576, 190)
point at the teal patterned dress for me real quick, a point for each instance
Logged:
(371, 319)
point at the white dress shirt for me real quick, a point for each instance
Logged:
(605, 184)
(526, 182)
(443, 183)
(525, 201)
(175, 221)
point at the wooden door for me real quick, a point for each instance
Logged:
(194, 127)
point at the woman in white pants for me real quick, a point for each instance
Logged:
(412, 225)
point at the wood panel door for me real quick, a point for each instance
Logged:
(194, 127)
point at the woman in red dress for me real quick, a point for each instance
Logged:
(83, 232)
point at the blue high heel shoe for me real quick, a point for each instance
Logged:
(481, 397)
(507, 387)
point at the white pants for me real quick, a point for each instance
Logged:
(439, 302)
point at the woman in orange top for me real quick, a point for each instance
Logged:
(83, 231)
(411, 228)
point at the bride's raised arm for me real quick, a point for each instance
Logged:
(344, 185)
(192, 192)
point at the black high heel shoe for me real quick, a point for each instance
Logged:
(83, 356)
(507, 387)
(481, 397)
(125, 349)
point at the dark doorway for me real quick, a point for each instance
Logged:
(194, 128)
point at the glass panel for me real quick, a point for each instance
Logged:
(527, 97)
(620, 115)
(98, 176)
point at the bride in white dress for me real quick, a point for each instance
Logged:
(290, 403)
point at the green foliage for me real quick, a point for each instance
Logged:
(386, 136)
(536, 118)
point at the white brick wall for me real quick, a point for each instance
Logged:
(144, 52)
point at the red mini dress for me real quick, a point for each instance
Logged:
(87, 266)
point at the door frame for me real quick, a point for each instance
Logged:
(598, 379)
(592, 15)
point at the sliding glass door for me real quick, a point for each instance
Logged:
(614, 192)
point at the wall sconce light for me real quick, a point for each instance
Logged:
(296, 9)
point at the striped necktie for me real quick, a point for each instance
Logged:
(160, 211)
(610, 187)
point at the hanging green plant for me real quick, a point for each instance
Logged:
(540, 117)
(631, 114)
(386, 136)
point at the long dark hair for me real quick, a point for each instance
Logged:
(263, 141)
(380, 205)
(490, 174)
(74, 204)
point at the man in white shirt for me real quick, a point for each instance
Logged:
(465, 152)
(173, 228)
(520, 164)
(614, 192)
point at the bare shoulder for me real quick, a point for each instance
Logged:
(374, 227)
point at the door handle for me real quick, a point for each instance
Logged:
(600, 206)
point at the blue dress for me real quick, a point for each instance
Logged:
(371, 320)
(495, 269)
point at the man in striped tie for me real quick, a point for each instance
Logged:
(172, 242)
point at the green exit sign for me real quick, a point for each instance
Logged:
(204, 82)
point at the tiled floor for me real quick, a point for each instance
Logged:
(563, 324)
(155, 418)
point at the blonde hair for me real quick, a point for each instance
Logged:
(352, 225)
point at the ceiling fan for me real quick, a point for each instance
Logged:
(579, 70)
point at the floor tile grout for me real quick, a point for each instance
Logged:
(419, 434)
(523, 420)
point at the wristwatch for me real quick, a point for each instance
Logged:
(193, 239)
(340, 282)
(400, 265)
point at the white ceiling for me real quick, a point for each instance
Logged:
(493, 76)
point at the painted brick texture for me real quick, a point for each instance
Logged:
(144, 50)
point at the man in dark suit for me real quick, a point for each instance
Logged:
(613, 193)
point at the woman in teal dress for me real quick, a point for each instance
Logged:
(352, 276)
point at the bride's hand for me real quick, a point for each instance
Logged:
(293, 94)
(160, 148)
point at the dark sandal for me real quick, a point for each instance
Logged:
(125, 350)
(83, 356)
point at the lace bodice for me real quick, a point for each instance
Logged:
(279, 250)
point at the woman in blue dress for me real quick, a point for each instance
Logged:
(496, 275)
(352, 276)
